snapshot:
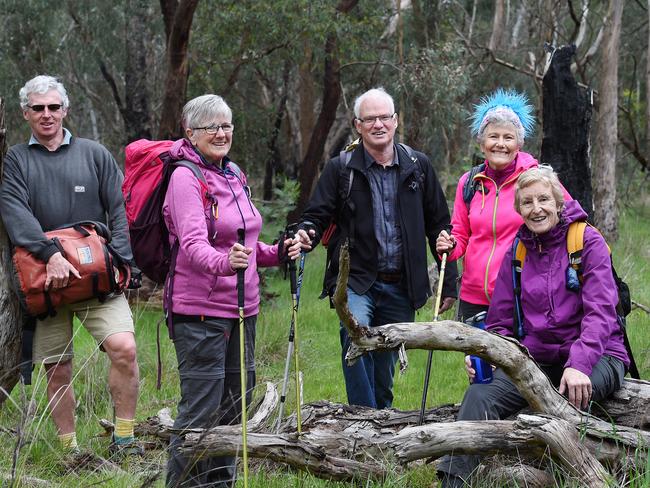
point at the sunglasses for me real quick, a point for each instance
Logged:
(52, 107)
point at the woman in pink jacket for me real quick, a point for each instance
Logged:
(484, 227)
(204, 302)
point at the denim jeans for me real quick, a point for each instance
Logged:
(369, 382)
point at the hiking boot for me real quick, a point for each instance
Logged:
(120, 452)
(76, 460)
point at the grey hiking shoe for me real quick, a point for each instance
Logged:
(76, 460)
(120, 452)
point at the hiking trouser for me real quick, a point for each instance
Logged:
(500, 399)
(369, 382)
(208, 364)
(467, 310)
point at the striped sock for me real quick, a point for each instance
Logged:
(124, 430)
(68, 441)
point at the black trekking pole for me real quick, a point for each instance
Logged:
(436, 308)
(242, 359)
(292, 348)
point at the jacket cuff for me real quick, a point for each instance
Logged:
(47, 252)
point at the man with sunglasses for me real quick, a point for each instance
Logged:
(386, 199)
(53, 181)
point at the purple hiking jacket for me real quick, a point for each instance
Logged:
(204, 283)
(562, 326)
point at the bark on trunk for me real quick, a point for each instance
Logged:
(604, 169)
(10, 311)
(178, 39)
(136, 112)
(498, 25)
(567, 121)
(647, 89)
(326, 117)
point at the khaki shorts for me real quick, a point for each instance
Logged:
(53, 336)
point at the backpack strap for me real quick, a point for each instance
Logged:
(470, 186)
(518, 258)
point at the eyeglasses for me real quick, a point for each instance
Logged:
(369, 121)
(52, 107)
(213, 129)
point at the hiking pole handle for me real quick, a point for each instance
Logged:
(240, 273)
(292, 266)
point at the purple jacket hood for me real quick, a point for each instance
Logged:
(571, 328)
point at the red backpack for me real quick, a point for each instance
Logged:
(147, 169)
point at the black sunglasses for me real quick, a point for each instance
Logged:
(52, 107)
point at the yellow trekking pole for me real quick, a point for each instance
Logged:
(242, 359)
(436, 308)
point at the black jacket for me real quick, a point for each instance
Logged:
(422, 210)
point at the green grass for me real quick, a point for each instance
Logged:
(319, 359)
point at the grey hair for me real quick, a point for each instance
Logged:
(373, 92)
(203, 110)
(42, 84)
(501, 116)
(541, 174)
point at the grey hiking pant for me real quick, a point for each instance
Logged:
(208, 364)
(500, 399)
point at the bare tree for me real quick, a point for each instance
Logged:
(604, 164)
(10, 312)
(178, 16)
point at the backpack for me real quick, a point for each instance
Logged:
(86, 245)
(575, 245)
(346, 177)
(470, 186)
(147, 170)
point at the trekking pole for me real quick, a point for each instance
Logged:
(242, 359)
(436, 308)
(290, 348)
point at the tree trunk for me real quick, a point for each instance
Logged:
(136, 113)
(567, 120)
(10, 311)
(647, 89)
(178, 39)
(604, 168)
(326, 117)
(498, 25)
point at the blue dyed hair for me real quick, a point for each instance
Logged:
(504, 106)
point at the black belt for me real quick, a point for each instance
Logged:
(395, 277)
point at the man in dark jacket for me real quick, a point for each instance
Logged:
(386, 199)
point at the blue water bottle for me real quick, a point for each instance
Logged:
(481, 366)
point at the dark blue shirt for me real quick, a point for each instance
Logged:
(383, 186)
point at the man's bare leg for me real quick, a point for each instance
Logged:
(61, 396)
(124, 375)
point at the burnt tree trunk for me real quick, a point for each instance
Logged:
(567, 121)
(10, 312)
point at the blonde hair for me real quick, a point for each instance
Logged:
(541, 174)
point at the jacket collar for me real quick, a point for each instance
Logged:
(406, 164)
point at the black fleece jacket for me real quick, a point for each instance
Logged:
(422, 210)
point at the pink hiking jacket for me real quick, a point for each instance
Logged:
(485, 233)
(204, 283)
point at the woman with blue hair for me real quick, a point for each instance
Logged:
(484, 221)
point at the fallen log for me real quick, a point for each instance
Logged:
(343, 442)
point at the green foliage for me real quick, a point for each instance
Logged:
(274, 213)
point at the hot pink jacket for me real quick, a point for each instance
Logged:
(204, 283)
(485, 233)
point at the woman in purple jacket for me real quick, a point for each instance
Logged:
(573, 335)
(204, 298)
